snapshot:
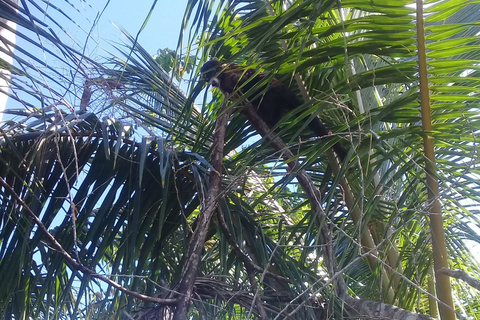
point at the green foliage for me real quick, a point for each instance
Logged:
(167, 59)
(122, 196)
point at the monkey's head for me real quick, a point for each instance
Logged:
(225, 76)
(210, 71)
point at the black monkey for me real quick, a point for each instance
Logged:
(271, 101)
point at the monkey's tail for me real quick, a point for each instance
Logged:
(321, 130)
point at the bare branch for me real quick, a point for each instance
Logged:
(462, 275)
(238, 251)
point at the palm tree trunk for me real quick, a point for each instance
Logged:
(443, 288)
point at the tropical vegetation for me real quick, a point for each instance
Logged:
(129, 188)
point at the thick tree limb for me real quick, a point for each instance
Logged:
(192, 260)
(378, 310)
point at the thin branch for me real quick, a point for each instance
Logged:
(462, 275)
(58, 247)
(238, 251)
(256, 297)
(307, 184)
(250, 266)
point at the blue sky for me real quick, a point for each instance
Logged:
(161, 31)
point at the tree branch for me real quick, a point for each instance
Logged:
(192, 260)
(307, 184)
(241, 255)
(250, 266)
(462, 275)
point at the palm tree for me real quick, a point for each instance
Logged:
(151, 214)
